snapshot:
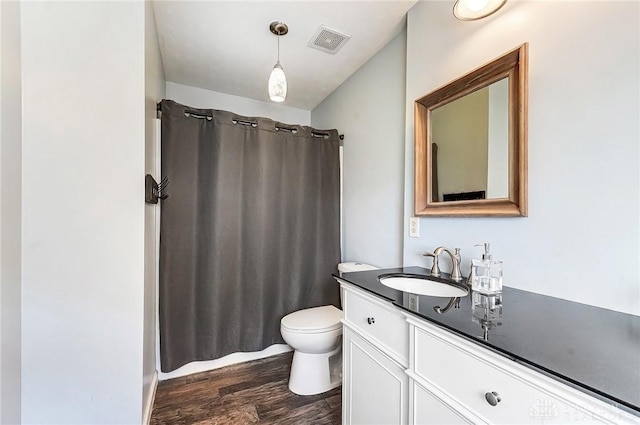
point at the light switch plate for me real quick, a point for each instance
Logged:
(414, 227)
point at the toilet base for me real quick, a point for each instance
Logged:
(315, 373)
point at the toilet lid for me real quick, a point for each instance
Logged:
(313, 319)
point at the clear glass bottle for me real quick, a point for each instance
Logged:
(486, 276)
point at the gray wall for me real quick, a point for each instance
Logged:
(581, 239)
(10, 212)
(368, 109)
(83, 212)
(154, 92)
(209, 99)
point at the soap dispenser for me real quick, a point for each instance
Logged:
(486, 274)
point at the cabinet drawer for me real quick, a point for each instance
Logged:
(466, 376)
(379, 322)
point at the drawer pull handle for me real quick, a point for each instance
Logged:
(493, 398)
(371, 320)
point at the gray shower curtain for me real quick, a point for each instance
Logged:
(250, 231)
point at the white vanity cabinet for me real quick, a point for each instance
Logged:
(401, 369)
(375, 348)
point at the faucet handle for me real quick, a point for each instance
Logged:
(435, 269)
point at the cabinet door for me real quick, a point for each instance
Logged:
(427, 409)
(374, 386)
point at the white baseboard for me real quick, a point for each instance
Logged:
(196, 367)
(151, 397)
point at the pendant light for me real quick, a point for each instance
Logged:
(277, 79)
(470, 10)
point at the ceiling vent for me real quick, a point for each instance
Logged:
(328, 40)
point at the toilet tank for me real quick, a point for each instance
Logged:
(354, 267)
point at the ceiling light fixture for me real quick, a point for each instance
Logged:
(470, 10)
(277, 79)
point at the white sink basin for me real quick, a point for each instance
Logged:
(420, 285)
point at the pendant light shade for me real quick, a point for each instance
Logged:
(277, 84)
(470, 10)
(277, 79)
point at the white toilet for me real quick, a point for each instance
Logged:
(316, 336)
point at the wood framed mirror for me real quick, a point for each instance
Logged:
(471, 142)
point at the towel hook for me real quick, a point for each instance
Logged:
(153, 190)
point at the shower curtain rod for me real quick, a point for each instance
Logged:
(158, 110)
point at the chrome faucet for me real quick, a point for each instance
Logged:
(455, 261)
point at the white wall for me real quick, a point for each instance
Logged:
(368, 109)
(207, 99)
(83, 74)
(580, 241)
(10, 211)
(154, 92)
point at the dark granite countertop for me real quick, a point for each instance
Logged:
(592, 349)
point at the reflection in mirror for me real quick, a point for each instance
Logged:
(471, 142)
(471, 136)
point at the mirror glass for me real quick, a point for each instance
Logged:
(471, 137)
(471, 142)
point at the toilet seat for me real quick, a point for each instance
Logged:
(313, 320)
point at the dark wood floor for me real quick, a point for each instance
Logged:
(247, 393)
